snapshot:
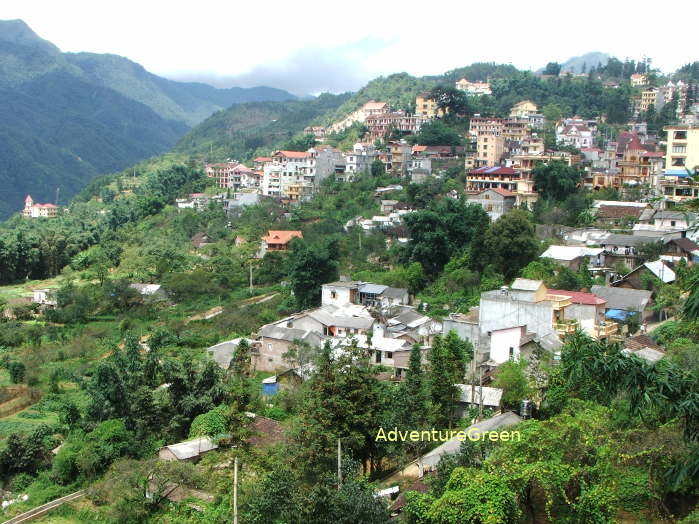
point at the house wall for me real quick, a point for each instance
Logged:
(501, 341)
(269, 355)
(342, 296)
(587, 315)
(501, 313)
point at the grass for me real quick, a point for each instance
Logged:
(25, 289)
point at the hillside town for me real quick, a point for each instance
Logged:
(470, 297)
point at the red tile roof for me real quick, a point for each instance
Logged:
(493, 170)
(503, 192)
(263, 159)
(293, 154)
(579, 297)
(281, 237)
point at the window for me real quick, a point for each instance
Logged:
(680, 135)
(389, 354)
(678, 161)
(333, 294)
(269, 346)
(679, 149)
(512, 353)
(486, 196)
(672, 223)
(489, 207)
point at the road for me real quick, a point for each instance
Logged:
(42, 510)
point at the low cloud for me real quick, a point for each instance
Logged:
(307, 71)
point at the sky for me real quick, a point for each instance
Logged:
(308, 47)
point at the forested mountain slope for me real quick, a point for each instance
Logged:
(65, 118)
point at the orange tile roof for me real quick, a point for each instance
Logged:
(281, 237)
(293, 154)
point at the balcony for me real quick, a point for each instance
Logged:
(605, 330)
(566, 327)
(559, 301)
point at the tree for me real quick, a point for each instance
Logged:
(441, 382)
(441, 231)
(508, 244)
(378, 168)
(16, 370)
(556, 180)
(342, 401)
(552, 68)
(437, 133)
(413, 395)
(512, 378)
(451, 100)
(311, 266)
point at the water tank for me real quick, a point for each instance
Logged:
(525, 409)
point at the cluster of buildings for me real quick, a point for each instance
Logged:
(657, 97)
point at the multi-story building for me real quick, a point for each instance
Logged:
(359, 160)
(35, 210)
(371, 108)
(426, 106)
(277, 241)
(509, 128)
(575, 132)
(496, 202)
(381, 124)
(523, 109)
(652, 97)
(297, 174)
(473, 88)
(400, 157)
(232, 175)
(493, 177)
(640, 162)
(489, 149)
(682, 148)
(316, 131)
(639, 79)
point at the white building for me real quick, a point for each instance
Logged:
(297, 174)
(359, 160)
(575, 132)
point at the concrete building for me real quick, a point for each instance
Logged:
(682, 148)
(426, 106)
(510, 318)
(297, 174)
(473, 88)
(35, 210)
(523, 109)
(575, 132)
(489, 149)
(496, 202)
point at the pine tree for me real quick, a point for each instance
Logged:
(441, 385)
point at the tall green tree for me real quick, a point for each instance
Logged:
(311, 267)
(556, 180)
(508, 245)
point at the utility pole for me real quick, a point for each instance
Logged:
(250, 277)
(339, 464)
(235, 491)
(480, 393)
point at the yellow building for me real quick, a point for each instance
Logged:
(649, 97)
(682, 148)
(489, 149)
(523, 109)
(426, 106)
(639, 79)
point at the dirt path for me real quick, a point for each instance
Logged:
(40, 511)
